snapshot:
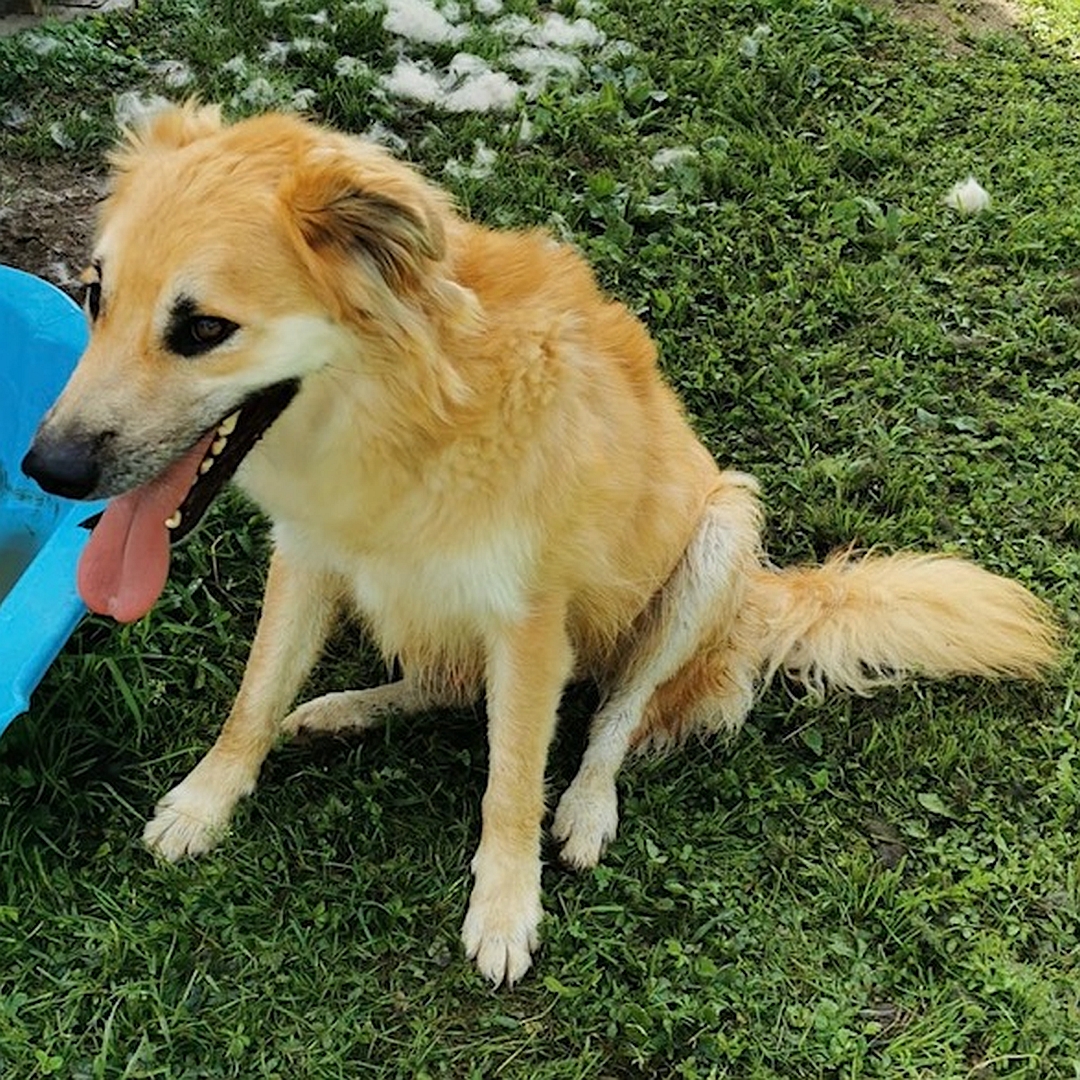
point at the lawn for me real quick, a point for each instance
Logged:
(862, 888)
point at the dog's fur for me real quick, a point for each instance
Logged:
(482, 460)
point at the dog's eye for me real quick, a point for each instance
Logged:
(208, 331)
(197, 334)
(92, 298)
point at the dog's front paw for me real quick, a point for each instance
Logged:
(193, 817)
(586, 820)
(501, 929)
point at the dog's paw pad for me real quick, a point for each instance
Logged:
(586, 820)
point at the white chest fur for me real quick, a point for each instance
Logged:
(422, 596)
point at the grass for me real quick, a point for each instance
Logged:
(882, 888)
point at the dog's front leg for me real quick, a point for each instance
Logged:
(528, 665)
(298, 611)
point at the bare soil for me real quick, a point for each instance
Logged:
(958, 22)
(47, 214)
(18, 15)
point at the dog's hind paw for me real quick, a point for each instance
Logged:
(586, 820)
(346, 711)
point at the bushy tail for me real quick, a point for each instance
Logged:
(860, 623)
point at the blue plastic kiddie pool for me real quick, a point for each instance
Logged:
(42, 333)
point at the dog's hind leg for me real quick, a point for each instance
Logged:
(699, 601)
(298, 612)
(354, 710)
(359, 710)
(452, 680)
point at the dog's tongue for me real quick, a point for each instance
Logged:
(125, 563)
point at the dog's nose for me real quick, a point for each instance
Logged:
(66, 468)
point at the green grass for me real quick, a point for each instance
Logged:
(883, 888)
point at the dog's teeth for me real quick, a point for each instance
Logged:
(218, 445)
(228, 425)
(205, 465)
(173, 522)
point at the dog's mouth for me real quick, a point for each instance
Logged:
(125, 564)
(221, 450)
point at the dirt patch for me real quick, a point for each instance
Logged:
(959, 22)
(19, 15)
(47, 214)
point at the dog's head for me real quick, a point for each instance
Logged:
(232, 264)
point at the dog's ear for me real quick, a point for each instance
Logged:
(376, 209)
(164, 126)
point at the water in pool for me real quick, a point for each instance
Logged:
(25, 525)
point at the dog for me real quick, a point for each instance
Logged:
(456, 435)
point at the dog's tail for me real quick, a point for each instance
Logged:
(861, 623)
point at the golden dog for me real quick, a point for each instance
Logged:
(454, 432)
